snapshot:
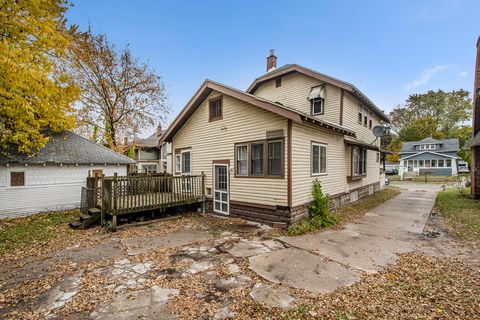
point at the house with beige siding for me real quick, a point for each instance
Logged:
(262, 148)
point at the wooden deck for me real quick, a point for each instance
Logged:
(129, 194)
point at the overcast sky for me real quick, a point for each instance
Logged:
(388, 49)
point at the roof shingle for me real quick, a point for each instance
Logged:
(68, 148)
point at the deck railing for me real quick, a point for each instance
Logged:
(127, 194)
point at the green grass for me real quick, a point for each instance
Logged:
(17, 233)
(345, 213)
(462, 212)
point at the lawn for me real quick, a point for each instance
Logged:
(17, 233)
(347, 213)
(462, 213)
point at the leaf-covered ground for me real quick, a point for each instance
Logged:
(426, 284)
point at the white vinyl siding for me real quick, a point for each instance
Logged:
(64, 182)
(209, 141)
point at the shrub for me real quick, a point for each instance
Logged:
(318, 211)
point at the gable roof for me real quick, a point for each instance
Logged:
(291, 68)
(474, 141)
(209, 86)
(68, 148)
(431, 152)
(446, 145)
(149, 142)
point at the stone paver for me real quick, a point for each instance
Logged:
(140, 245)
(61, 293)
(303, 270)
(273, 297)
(143, 304)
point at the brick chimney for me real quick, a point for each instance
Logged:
(271, 61)
(159, 130)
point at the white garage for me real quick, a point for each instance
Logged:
(52, 178)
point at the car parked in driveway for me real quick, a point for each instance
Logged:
(391, 172)
(463, 167)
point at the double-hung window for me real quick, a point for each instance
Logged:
(257, 159)
(319, 159)
(186, 162)
(275, 158)
(242, 160)
(261, 159)
(178, 163)
(359, 161)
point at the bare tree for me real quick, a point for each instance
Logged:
(120, 96)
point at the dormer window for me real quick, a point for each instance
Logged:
(317, 100)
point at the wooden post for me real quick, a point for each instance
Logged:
(114, 223)
(204, 202)
(104, 200)
(115, 194)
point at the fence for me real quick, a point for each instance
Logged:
(127, 194)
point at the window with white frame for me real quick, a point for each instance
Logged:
(434, 163)
(317, 100)
(319, 159)
(441, 163)
(178, 163)
(186, 162)
(242, 160)
(448, 163)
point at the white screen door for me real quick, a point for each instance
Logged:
(220, 195)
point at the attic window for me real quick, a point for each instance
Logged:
(215, 109)
(317, 100)
(278, 82)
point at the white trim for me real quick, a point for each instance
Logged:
(326, 159)
(214, 190)
(181, 162)
(25, 177)
(435, 153)
(236, 158)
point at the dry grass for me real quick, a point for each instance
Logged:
(462, 213)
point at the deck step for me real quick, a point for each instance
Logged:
(76, 224)
(84, 217)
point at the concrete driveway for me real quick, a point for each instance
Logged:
(326, 260)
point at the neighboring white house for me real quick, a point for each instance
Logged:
(52, 178)
(152, 157)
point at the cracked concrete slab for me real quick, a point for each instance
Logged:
(273, 297)
(145, 304)
(374, 241)
(60, 294)
(254, 247)
(140, 245)
(300, 269)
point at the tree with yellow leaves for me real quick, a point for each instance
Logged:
(35, 95)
